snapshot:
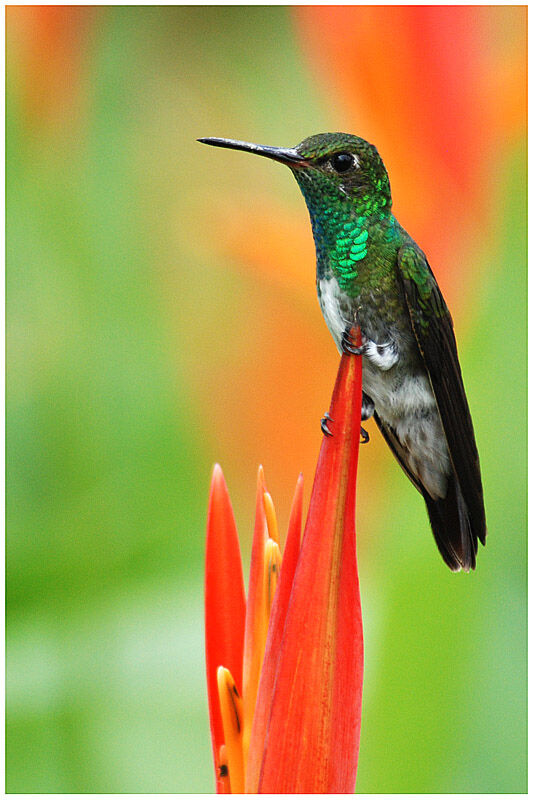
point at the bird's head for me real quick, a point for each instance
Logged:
(331, 169)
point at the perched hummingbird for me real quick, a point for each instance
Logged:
(371, 273)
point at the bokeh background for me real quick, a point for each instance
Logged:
(161, 315)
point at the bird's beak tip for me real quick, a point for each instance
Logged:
(287, 156)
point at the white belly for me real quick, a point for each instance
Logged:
(407, 405)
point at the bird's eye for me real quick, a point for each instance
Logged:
(342, 162)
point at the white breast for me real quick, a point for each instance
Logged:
(334, 305)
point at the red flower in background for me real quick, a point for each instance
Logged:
(48, 46)
(291, 723)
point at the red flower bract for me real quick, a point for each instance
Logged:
(306, 708)
(224, 604)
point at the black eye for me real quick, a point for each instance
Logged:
(342, 162)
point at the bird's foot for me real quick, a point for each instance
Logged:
(365, 436)
(324, 424)
(348, 345)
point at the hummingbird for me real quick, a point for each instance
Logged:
(370, 273)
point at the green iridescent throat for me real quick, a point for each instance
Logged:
(342, 230)
(350, 248)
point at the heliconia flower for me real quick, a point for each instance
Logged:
(285, 670)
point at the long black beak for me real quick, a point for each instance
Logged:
(285, 155)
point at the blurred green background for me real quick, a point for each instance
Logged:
(161, 315)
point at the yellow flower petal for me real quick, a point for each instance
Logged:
(270, 513)
(272, 567)
(231, 712)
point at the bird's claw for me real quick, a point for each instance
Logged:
(348, 345)
(324, 424)
(365, 436)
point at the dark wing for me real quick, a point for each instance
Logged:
(449, 522)
(433, 329)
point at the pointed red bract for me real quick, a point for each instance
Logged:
(312, 737)
(256, 622)
(224, 606)
(275, 632)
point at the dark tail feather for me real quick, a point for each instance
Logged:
(451, 528)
